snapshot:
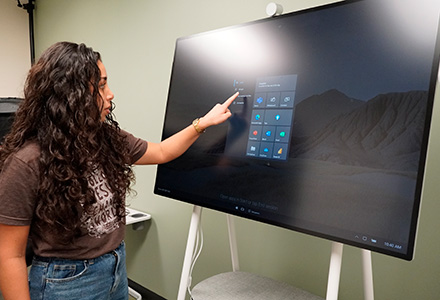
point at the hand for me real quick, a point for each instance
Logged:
(218, 114)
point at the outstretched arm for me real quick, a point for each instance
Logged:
(177, 144)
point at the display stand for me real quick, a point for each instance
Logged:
(334, 269)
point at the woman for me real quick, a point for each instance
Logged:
(65, 171)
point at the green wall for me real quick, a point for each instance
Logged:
(136, 39)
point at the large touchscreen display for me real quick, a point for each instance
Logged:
(329, 134)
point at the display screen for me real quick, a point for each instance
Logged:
(329, 133)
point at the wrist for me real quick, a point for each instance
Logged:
(198, 126)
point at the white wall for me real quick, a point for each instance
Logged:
(14, 48)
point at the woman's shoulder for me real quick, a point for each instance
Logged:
(137, 146)
(29, 153)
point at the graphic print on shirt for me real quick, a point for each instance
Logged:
(101, 219)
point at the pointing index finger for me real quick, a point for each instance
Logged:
(230, 99)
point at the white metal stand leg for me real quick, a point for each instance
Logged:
(233, 243)
(368, 275)
(334, 273)
(190, 245)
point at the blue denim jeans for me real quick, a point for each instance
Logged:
(101, 278)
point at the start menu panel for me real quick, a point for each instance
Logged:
(266, 113)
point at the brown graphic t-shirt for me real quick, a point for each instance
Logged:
(19, 180)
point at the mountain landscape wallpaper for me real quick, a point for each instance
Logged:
(384, 132)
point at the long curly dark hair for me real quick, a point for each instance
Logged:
(61, 113)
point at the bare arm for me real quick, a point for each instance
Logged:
(13, 269)
(177, 144)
